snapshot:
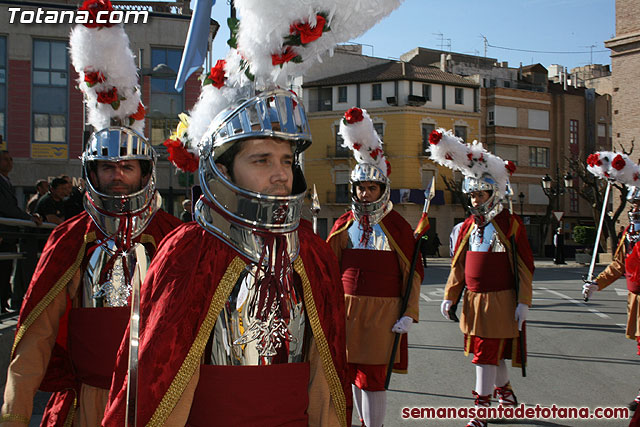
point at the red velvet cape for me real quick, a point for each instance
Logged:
(61, 257)
(508, 224)
(177, 293)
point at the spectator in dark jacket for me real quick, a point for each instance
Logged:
(42, 187)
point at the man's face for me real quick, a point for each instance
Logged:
(368, 191)
(118, 178)
(43, 188)
(478, 198)
(263, 166)
(6, 163)
(60, 192)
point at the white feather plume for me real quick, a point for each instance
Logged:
(362, 138)
(106, 50)
(470, 159)
(614, 166)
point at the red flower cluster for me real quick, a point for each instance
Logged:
(435, 137)
(353, 115)
(448, 156)
(179, 156)
(470, 156)
(594, 160)
(287, 55)
(388, 167)
(93, 77)
(108, 96)
(618, 162)
(306, 33)
(357, 146)
(510, 166)
(94, 7)
(217, 74)
(139, 115)
(636, 176)
(375, 153)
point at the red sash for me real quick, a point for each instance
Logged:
(488, 271)
(272, 395)
(95, 335)
(371, 273)
(632, 270)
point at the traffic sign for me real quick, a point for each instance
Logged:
(558, 215)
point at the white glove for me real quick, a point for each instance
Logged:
(521, 314)
(589, 288)
(444, 308)
(403, 325)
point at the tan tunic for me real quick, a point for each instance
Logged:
(613, 272)
(488, 314)
(28, 367)
(367, 314)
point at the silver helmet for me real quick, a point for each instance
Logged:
(112, 212)
(485, 212)
(633, 197)
(366, 172)
(235, 213)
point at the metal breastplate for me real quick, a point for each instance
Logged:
(105, 283)
(377, 240)
(248, 333)
(485, 239)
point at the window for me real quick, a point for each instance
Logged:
(574, 202)
(539, 157)
(166, 103)
(492, 83)
(376, 92)
(573, 138)
(506, 152)
(3, 88)
(507, 83)
(342, 186)
(379, 127)
(342, 94)
(538, 119)
(49, 99)
(325, 99)
(491, 118)
(427, 128)
(460, 132)
(459, 95)
(426, 92)
(340, 150)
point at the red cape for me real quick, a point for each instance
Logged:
(400, 230)
(507, 224)
(177, 317)
(63, 254)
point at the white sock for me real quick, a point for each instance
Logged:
(485, 379)
(374, 406)
(357, 400)
(502, 374)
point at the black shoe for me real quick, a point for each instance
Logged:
(632, 406)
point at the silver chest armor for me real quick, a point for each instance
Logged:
(105, 281)
(251, 329)
(485, 239)
(377, 241)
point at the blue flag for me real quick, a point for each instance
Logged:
(195, 47)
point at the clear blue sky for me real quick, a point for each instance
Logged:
(531, 25)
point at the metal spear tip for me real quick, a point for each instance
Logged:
(430, 192)
(315, 202)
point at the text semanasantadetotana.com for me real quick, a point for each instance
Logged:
(518, 412)
(48, 16)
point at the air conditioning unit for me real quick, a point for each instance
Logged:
(416, 101)
(391, 100)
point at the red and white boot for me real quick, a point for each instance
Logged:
(481, 401)
(505, 395)
(634, 404)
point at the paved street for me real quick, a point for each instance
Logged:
(578, 353)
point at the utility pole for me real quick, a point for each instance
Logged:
(486, 44)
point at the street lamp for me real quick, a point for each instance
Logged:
(554, 189)
(521, 197)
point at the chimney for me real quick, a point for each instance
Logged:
(564, 78)
(443, 62)
(403, 70)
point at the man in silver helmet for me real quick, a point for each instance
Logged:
(492, 317)
(250, 318)
(76, 308)
(374, 244)
(626, 262)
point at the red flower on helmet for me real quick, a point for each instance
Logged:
(108, 96)
(95, 7)
(618, 162)
(470, 156)
(375, 153)
(306, 32)
(510, 166)
(179, 156)
(357, 146)
(353, 115)
(139, 115)
(388, 167)
(636, 176)
(594, 160)
(92, 78)
(216, 76)
(435, 137)
(287, 55)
